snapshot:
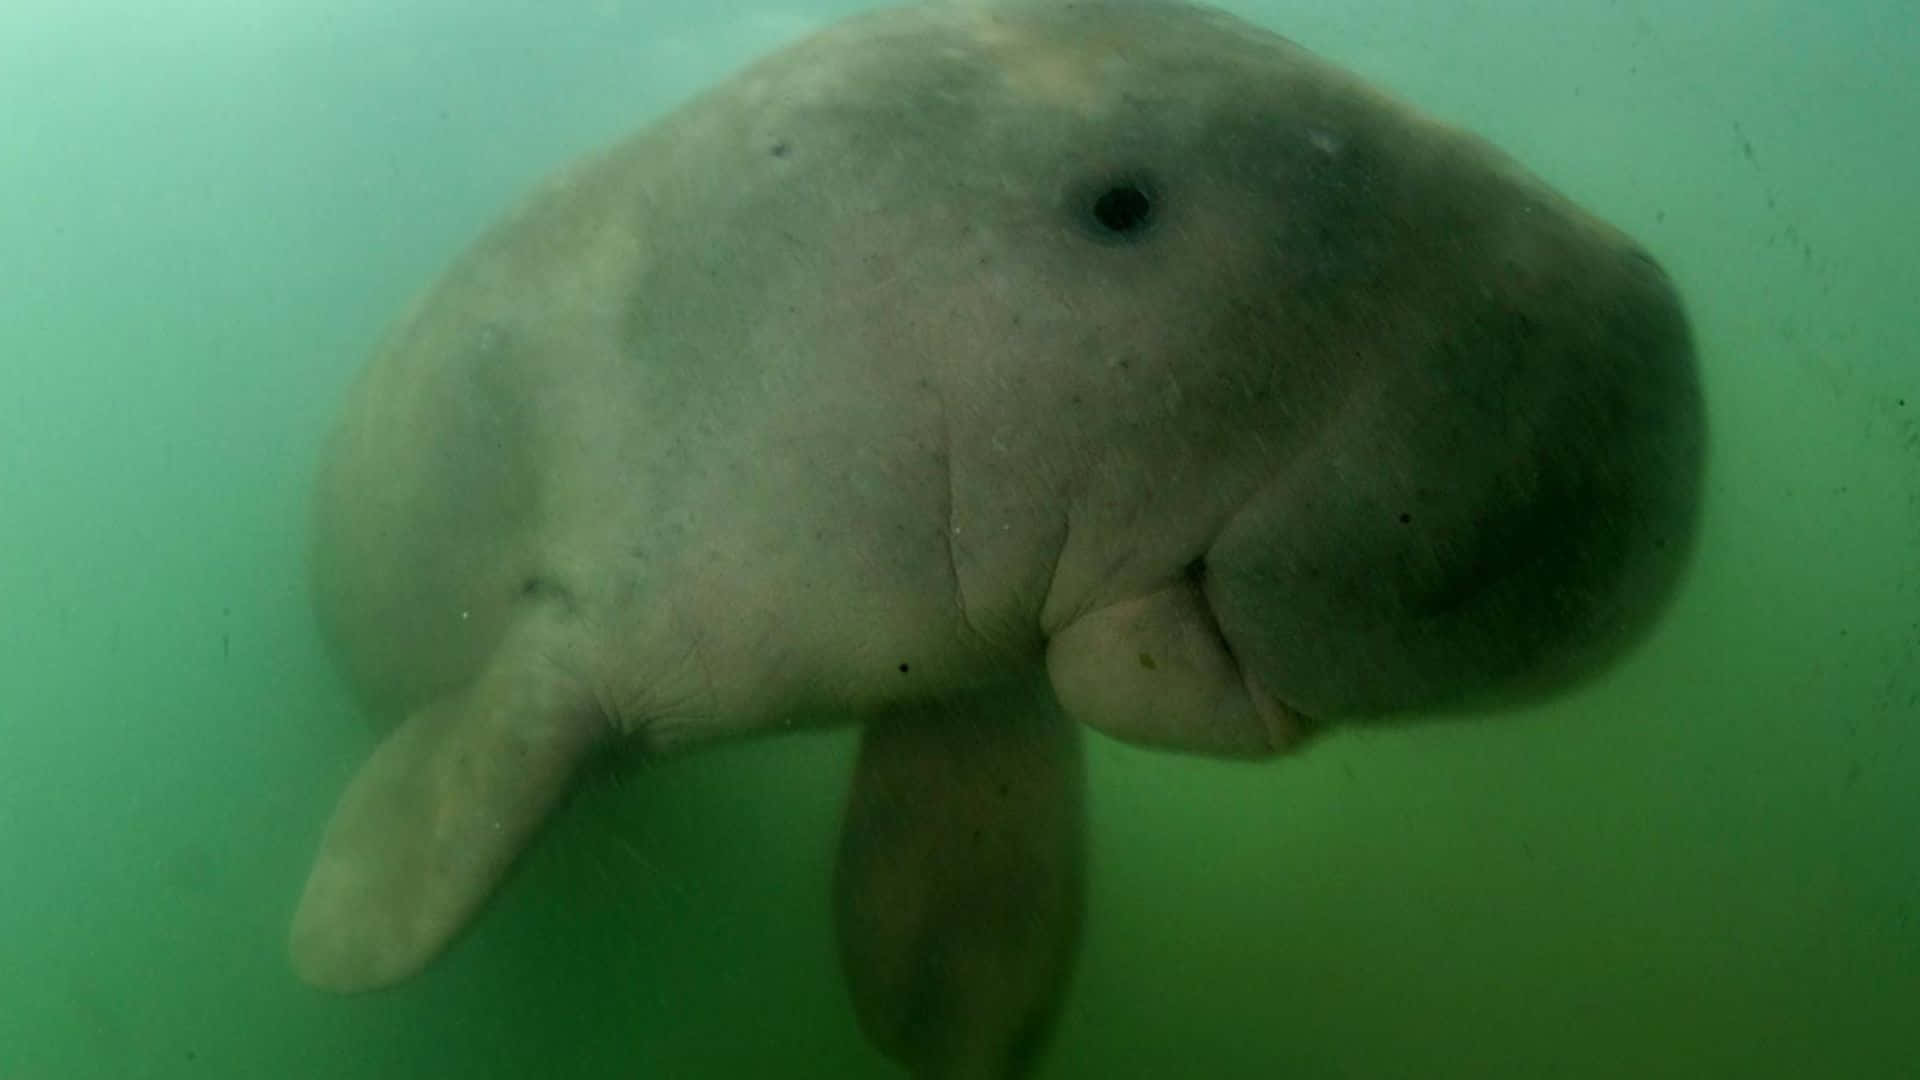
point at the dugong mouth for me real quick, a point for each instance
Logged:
(1159, 670)
(1287, 728)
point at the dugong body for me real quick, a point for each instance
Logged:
(969, 372)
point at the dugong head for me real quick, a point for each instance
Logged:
(1278, 375)
(956, 370)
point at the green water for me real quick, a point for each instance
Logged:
(1707, 865)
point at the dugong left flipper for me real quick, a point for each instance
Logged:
(961, 880)
(436, 816)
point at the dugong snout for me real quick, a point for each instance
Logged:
(1508, 512)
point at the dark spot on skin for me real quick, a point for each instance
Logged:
(1004, 788)
(1406, 519)
(781, 149)
(1196, 571)
(903, 667)
(1146, 661)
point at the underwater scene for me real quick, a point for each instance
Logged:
(973, 538)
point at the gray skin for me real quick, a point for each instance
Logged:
(973, 374)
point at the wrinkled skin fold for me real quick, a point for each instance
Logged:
(975, 374)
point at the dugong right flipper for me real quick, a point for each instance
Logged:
(961, 881)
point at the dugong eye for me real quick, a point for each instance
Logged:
(1119, 209)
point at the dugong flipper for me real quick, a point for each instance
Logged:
(435, 817)
(961, 880)
(955, 371)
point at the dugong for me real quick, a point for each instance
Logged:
(975, 373)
